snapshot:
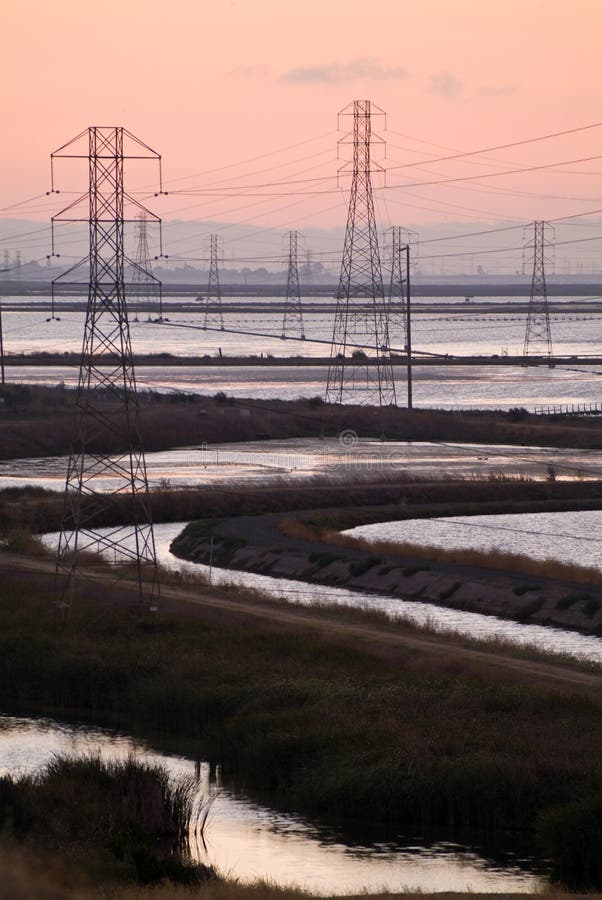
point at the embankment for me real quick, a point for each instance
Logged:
(286, 546)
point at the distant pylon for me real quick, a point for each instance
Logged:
(214, 317)
(105, 488)
(360, 321)
(292, 321)
(145, 289)
(396, 245)
(538, 335)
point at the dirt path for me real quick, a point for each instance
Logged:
(399, 645)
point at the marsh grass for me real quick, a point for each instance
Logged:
(325, 723)
(506, 562)
(87, 807)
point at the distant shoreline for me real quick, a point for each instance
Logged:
(168, 360)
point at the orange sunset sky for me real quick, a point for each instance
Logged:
(255, 86)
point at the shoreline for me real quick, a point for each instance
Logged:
(261, 545)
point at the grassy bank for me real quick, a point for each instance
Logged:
(37, 421)
(331, 725)
(118, 821)
(380, 497)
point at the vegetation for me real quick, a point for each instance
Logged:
(302, 529)
(333, 725)
(37, 421)
(124, 818)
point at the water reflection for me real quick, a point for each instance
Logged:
(298, 459)
(535, 535)
(475, 625)
(249, 840)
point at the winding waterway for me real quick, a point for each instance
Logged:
(475, 625)
(249, 840)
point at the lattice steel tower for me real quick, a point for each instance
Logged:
(106, 488)
(292, 321)
(214, 317)
(397, 249)
(145, 289)
(538, 336)
(360, 322)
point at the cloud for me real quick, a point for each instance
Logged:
(445, 84)
(333, 73)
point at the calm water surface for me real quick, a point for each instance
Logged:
(259, 333)
(569, 537)
(303, 458)
(551, 640)
(248, 840)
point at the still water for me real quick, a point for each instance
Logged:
(299, 459)
(475, 625)
(248, 840)
(439, 325)
(434, 387)
(570, 537)
(259, 333)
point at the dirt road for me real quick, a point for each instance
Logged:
(399, 645)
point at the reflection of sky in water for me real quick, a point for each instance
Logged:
(455, 331)
(552, 640)
(249, 841)
(300, 459)
(457, 387)
(569, 537)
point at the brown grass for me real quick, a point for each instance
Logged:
(486, 559)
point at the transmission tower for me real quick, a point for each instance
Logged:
(214, 317)
(360, 321)
(292, 321)
(106, 488)
(399, 254)
(145, 289)
(396, 247)
(538, 336)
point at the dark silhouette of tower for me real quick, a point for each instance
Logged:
(292, 321)
(106, 478)
(214, 317)
(145, 289)
(396, 245)
(399, 251)
(538, 335)
(360, 321)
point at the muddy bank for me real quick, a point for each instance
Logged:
(257, 544)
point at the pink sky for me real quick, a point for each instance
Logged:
(210, 83)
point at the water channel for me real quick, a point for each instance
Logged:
(249, 840)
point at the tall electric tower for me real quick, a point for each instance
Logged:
(361, 314)
(145, 289)
(214, 317)
(106, 477)
(538, 336)
(292, 320)
(396, 247)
